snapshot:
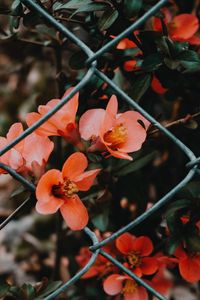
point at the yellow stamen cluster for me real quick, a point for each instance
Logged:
(69, 188)
(116, 136)
(172, 25)
(130, 287)
(134, 259)
(66, 189)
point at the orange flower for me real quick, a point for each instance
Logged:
(58, 190)
(13, 157)
(122, 284)
(62, 123)
(189, 265)
(23, 156)
(126, 43)
(130, 65)
(157, 86)
(119, 134)
(136, 250)
(161, 282)
(180, 28)
(102, 266)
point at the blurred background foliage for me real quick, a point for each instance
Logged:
(38, 64)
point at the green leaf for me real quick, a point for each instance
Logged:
(51, 287)
(73, 4)
(177, 206)
(16, 8)
(132, 7)
(172, 244)
(14, 23)
(191, 190)
(82, 6)
(94, 158)
(190, 60)
(152, 62)
(174, 224)
(107, 19)
(31, 19)
(171, 63)
(189, 55)
(193, 243)
(140, 86)
(136, 165)
(101, 220)
(163, 45)
(4, 288)
(28, 290)
(90, 8)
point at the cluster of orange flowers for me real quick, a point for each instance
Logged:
(138, 256)
(180, 28)
(106, 130)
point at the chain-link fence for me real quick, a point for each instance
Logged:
(91, 63)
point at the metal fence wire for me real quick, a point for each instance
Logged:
(91, 64)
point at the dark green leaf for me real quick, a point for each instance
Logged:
(189, 55)
(174, 224)
(4, 288)
(193, 243)
(136, 165)
(28, 291)
(16, 8)
(101, 220)
(14, 23)
(132, 7)
(90, 8)
(171, 63)
(73, 4)
(190, 60)
(140, 86)
(95, 158)
(152, 62)
(177, 206)
(163, 45)
(107, 19)
(31, 19)
(172, 244)
(191, 190)
(82, 6)
(51, 287)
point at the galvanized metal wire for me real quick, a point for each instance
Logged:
(91, 63)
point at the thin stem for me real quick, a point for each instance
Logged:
(69, 20)
(181, 121)
(36, 43)
(13, 214)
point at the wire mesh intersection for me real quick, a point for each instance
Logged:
(91, 62)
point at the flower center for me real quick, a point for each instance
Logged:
(134, 259)
(66, 189)
(130, 287)
(172, 26)
(116, 136)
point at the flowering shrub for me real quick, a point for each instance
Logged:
(97, 162)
